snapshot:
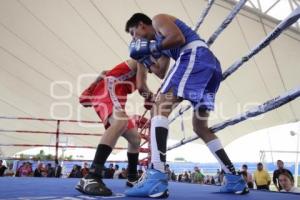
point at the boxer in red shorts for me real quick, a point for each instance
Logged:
(108, 96)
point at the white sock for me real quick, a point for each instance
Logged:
(217, 150)
(159, 133)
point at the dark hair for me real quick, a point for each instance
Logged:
(135, 19)
(288, 176)
(259, 164)
(245, 166)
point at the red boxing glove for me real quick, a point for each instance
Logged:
(149, 102)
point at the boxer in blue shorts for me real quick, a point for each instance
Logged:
(195, 76)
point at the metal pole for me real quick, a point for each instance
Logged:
(297, 161)
(57, 139)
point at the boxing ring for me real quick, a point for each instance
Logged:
(52, 188)
(140, 123)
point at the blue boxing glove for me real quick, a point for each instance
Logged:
(139, 48)
(156, 47)
(146, 61)
(142, 47)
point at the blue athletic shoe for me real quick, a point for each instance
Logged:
(234, 184)
(152, 184)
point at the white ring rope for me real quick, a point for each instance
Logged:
(261, 109)
(226, 22)
(283, 25)
(203, 15)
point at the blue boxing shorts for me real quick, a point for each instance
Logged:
(195, 76)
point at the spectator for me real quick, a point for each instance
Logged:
(190, 175)
(208, 180)
(217, 177)
(280, 169)
(117, 172)
(85, 170)
(50, 170)
(76, 172)
(262, 178)
(197, 176)
(19, 169)
(9, 171)
(168, 171)
(173, 176)
(180, 178)
(2, 168)
(40, 171)
(25, 169)
(286, 182)
(186, 177)
(123, 174)
(247, 176)
(212, 180)
(221, 177)
(57, 169)
(109, 172)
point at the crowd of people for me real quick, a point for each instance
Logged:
(26, 169)
(260, 179)
(110, 172)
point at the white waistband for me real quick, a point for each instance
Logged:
(194, 44)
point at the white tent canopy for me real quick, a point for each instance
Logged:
(51, 50)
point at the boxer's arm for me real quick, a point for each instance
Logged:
(101, 76)
(165, 26)
(161, 67)
(143, 87)
(141, 81)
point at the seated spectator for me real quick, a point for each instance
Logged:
(50, 170)
(168, 171)
(286, 182)
(123, 174)
(209, 180)
(186, 177)
(25, 170)
(109, 172)
(220, 178)
(76, 172)
(40, 171)
(117, 172)
(197, 176)
(212, 180)
(85, 170)
(190, 175)
(217, 177)
(19, 169)
(180, 178)
(57, 169)
(2, 168)
(262, 178)
(173, 176)
(280, 169)
(247, 176)
(9, 171)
